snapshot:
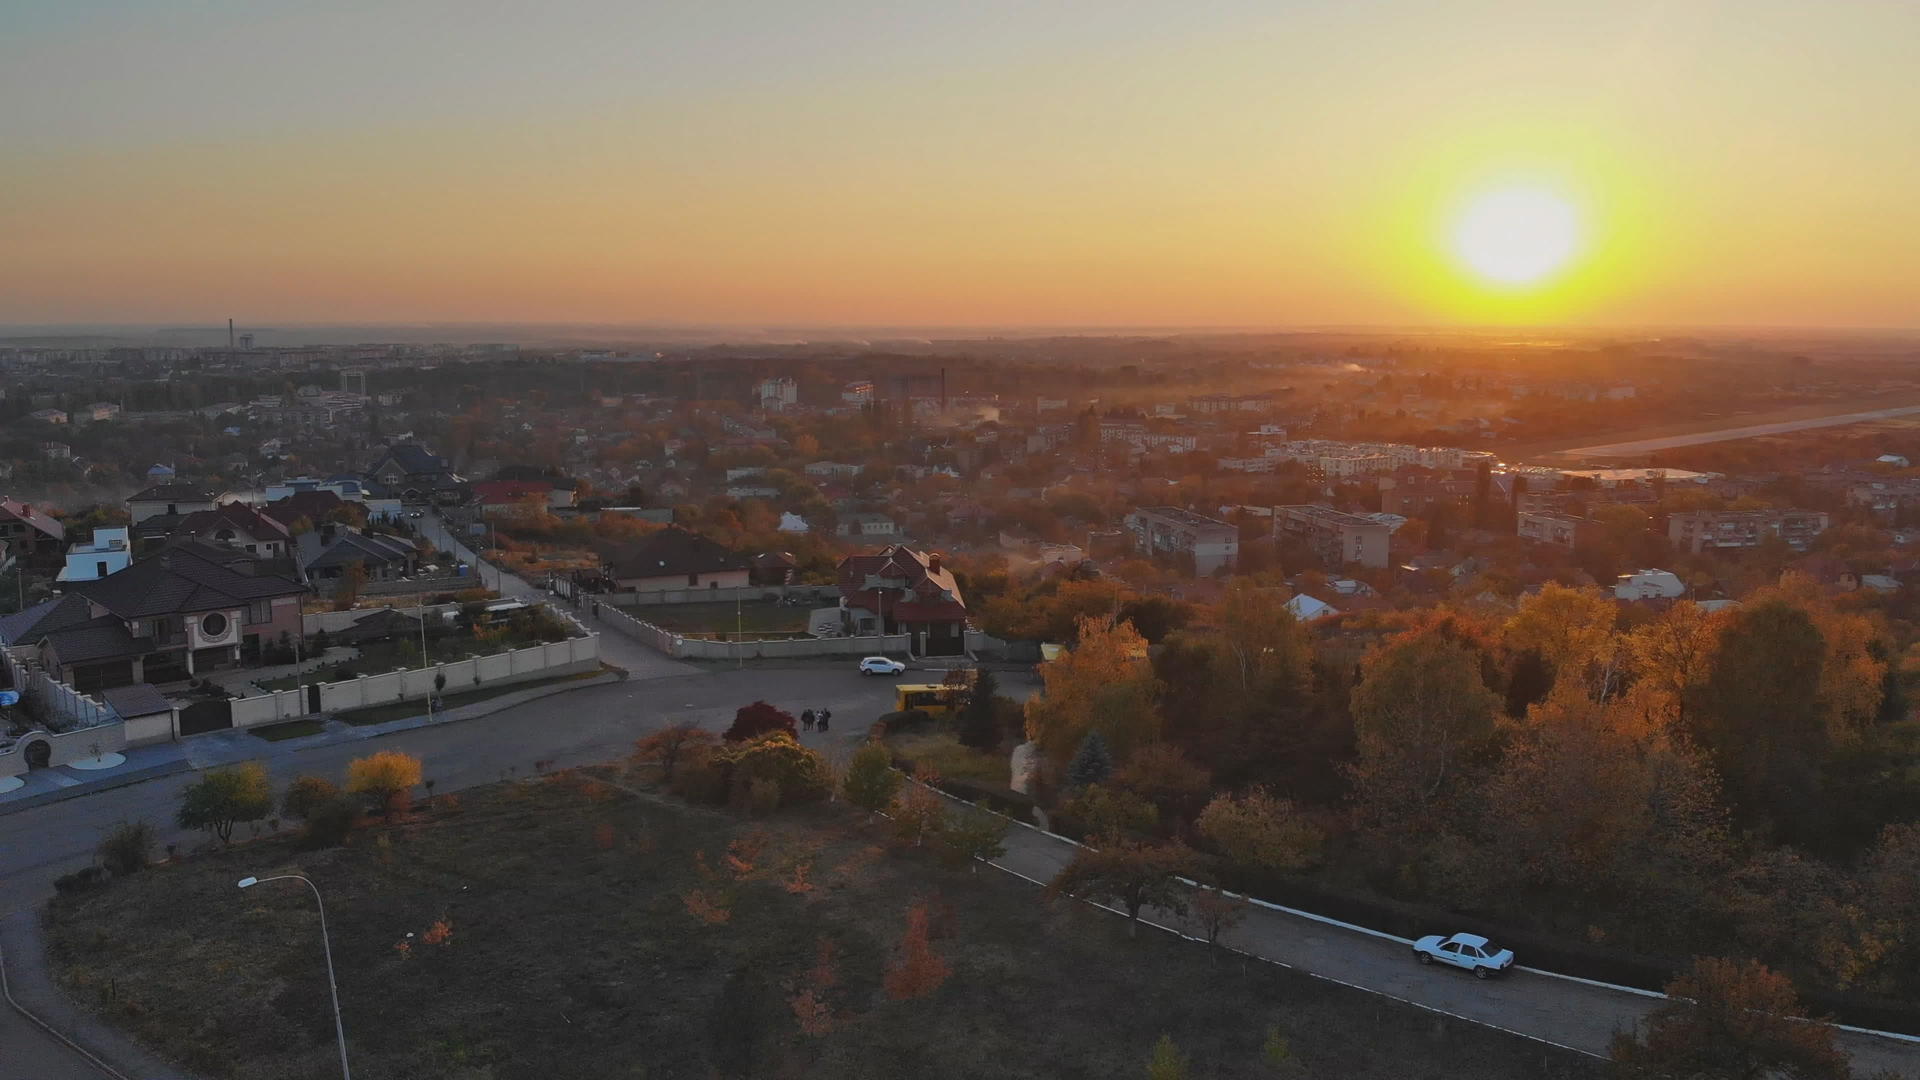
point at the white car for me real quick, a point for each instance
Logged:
(880, 665)
(1469, 951)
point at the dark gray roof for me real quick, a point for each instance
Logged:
(140, 699)
(29, 626)
(104, 638)
(669, 552)
(187, 577)
(172, 493)
(412, 459)
(362, 548)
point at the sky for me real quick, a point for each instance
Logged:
(995, 163)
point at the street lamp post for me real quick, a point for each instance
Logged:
(333, 988)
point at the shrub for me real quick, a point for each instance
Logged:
(894, 723)
(671, 745)
(871, 780)
(81, 880)
(383, 776)
(800, 773)
(330, 823)
(972, 837)
(224, 797)
(304, 794)
(763, 796)
(1258, 831)
(126, 848)
(759, 718)
(1092, 763)
(1104, 812)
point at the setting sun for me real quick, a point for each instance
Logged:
(1517, 236)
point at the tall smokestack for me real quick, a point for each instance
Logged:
(943, 391)
(229, 335)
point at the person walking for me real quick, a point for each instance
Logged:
(806, 720)
(822, 718)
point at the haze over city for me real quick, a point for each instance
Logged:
(1001, 164)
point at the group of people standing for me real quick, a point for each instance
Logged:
(815, 721)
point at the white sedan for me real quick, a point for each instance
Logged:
(1469, 951)
(880, 665)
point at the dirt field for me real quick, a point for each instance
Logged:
(572, 951)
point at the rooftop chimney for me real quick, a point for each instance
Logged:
(933, 563)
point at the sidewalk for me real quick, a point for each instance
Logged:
(33, 992)
(229, 747)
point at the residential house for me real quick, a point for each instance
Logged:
(830, 470)
(32, 537)
(177, 500)
(1707, 530)
(865, 524)
(108, 552)
(673, 558)
(772, 568)
(1168, 532)
(56, 451)
(329, 554)
(416, 475)
(1649, 585)
(1335, 537)
(48, 416)
(188, 609)
(234, 525)
(511, 497)
(791, 522)
(899, 590)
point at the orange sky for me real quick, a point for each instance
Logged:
(1100, 164)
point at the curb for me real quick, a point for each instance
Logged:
(91, 787)
(488, 707)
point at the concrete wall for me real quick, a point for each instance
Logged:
(697, 649)
(147, 730)
(335, 621)
(63, 748)
(722, 595)
(52, 702)
(520, 665)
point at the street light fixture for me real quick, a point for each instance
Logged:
(333, 988)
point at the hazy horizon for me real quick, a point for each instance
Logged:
(1657, 163)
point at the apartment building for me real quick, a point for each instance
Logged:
(1336, 537)
(1705, 530)
(1551, 527)
(1170, 531)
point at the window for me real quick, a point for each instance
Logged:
(693, 580)
(260, 611)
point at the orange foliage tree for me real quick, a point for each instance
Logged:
(917, 970)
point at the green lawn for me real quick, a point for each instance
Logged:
(572, 950)
(943, 753)
(378, 657)
(400, 710)
(756, 617)
(292, 729)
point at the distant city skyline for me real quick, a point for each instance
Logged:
(1111, 165)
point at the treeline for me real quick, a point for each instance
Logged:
(1740, 783)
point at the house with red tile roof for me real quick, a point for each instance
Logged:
(898, 590)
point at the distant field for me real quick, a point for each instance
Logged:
(572, 951)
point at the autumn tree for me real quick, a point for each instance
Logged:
(1759, 710)
(917, 969)
(1108, 813)
(1730, 1020)
(1131, 874)
(1571, 630)
(871, 780)
(1167, 1062)
(1214, 912)
(918, 814)
(1419, 709)
(760, 718)
(1255, 831)
(1669, 655)
(384, 777)
(224, 797)
(1103, 684)
(810, 1002)
(672, 745)
(973, 837)
(305, 794)
(1163, 775)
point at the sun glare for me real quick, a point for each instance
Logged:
(1517, 236)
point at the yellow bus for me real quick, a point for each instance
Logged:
(934, 699)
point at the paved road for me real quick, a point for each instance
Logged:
(1701, 438)
(615, 647)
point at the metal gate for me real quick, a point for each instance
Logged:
(205, 716)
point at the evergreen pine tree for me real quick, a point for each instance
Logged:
(1092, 763)
(980, 720)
